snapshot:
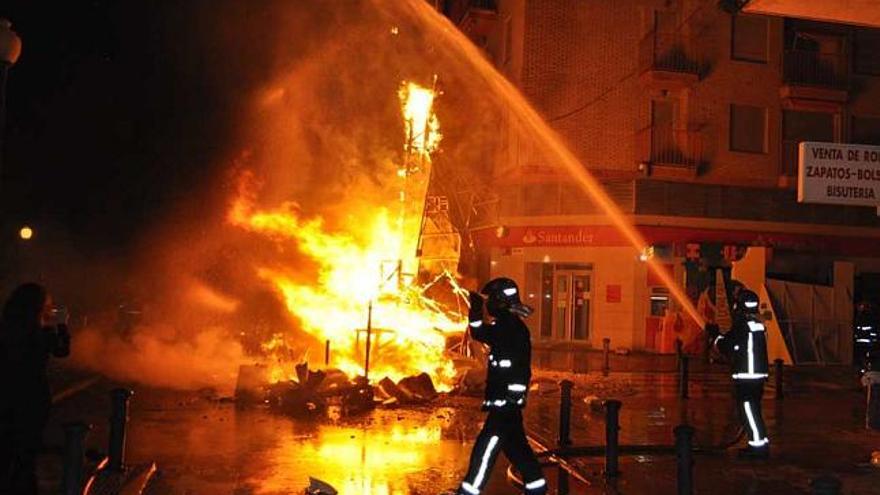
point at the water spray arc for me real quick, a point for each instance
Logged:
(449, 36)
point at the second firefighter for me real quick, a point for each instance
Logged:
(746, 345)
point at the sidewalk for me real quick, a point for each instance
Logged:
(817, 429)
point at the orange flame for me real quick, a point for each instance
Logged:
(422, 126)
(408, 329)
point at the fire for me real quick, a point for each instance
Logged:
(422, 126)
(367, 265)
(422, 138)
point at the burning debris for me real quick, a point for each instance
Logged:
(313, 392)
(369, 299)
(410, 390)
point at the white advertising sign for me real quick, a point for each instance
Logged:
(839, 174)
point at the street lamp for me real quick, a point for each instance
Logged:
(26, 233)
(10, 49)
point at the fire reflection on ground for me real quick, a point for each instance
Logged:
(369, 460)
(205, 446)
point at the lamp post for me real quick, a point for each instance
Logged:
(10, 49)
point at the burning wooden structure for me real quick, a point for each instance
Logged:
(375, 270)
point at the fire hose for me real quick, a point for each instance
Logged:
(541, 450)
(558, 456)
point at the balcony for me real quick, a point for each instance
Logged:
(670, 152)
(669, 61)
(810, 75)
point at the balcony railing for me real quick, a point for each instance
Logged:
(670, 52)
(669, 147)
(808, 68)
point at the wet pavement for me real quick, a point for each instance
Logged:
(206, 445)
(203, 445)
(817, 429)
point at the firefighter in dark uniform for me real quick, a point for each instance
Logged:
(746, 346)
(507, 384)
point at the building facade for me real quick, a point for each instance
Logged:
(690, 115)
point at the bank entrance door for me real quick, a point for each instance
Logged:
(571, 298)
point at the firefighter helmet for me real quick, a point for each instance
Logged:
(503, 295)
(747, 301)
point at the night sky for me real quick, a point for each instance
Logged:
(117, 111)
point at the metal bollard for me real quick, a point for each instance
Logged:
(826, 485)
(118, 423)
(679, 350)
(683, 377)
(606, 351)
(327, 353)
(74, 453)
(778, 377)
(565, 413)
(684, 437)
(612, 440)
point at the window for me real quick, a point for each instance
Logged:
(749, 38)
(866, 52)
(866, 130)
(748, 128)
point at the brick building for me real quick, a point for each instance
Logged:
(690, 114)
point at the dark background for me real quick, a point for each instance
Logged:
(118, 111)
(122, 122)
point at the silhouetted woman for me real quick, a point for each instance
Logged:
(26, 342)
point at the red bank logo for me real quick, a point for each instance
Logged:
(566, 237)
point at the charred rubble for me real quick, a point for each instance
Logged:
(312, 391)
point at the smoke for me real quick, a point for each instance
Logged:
(320, 131)
(326, 128)
(154, 355)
